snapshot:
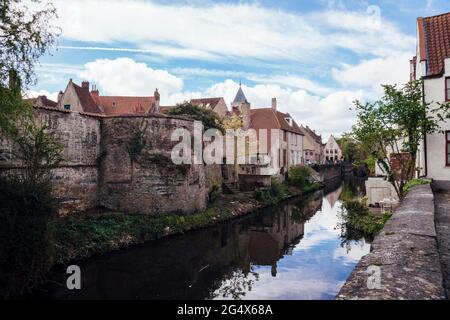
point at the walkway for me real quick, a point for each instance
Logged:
(404, 261)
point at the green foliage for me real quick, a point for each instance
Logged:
(414, 183)
(209, 118)
(138, 140)
(25, 35)
(39, 150)
(27, 209)
(215, 192)
(271, 195)
(397, 123)
(356, 216)
(84, 237)
(300, 177)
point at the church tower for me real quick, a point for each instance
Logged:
(243, 107)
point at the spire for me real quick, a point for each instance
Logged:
(240, 97)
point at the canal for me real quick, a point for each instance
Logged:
(295, 250)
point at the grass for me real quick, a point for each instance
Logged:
(82, 237)
(414, 183)
(79, 238)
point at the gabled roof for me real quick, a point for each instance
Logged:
(267, 118)
(42, 101)
(314, 135)
(240, 97)
(434, 42)
(88, 104)
(115, 105)
(206, 102)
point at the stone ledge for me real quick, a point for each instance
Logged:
(406, 254)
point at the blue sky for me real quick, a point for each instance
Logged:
(316, 57)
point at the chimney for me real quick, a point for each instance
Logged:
(94, 91)
(157, 99)
(274, 104)
(85, 85)
(60, 94)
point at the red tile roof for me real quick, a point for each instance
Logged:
(434, 42)
(267, 118)
(87, 102)
(204, 102)
(42, 101)
(118, 105)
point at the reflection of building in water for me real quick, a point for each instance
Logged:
(333, 197)
(197, 265)
(270, 240)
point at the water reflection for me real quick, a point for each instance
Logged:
(293, 251)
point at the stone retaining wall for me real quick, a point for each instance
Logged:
(404, 256)
(98, 170)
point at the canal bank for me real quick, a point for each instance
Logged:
(100, 232)
(293, 250)
(404, 260)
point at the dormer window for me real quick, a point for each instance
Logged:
(289, 121)
(113, 104)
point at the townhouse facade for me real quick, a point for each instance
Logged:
(282, 136)
(85, 99)
(332, 151)
(432, 65)
(313, 147)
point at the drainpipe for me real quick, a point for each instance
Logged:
(425, 134)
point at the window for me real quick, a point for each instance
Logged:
(67, 106)
(284, 135)
(447, 148)
(447, 89)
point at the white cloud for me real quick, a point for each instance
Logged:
(322, 109)
(211, 31)
(328, 114)
(124, 76)
(372, 73)
(36, 93)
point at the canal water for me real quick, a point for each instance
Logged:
(295, 250)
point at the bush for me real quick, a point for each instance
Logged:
(300, 177)
(356, 216)
(209, 118)
(214, 193)
(271, 195)
(26, 234)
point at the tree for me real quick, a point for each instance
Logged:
(396, 124)
(27, 205)
(209, 118)
(25, 35)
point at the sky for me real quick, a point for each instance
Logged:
(316, 57)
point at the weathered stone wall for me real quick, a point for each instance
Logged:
(404, 260)
(213, 176)
(75, 181)
(98, 170)
(151, 184)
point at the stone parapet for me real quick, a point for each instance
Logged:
(404, 260)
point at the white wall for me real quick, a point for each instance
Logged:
(435, 92)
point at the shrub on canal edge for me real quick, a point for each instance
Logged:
(26, 235)
(271, 195)
(301, 178)
(356, 216)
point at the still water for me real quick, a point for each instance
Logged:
(296, 250)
